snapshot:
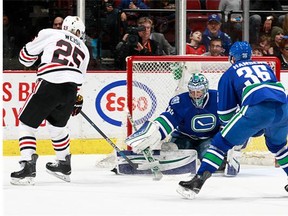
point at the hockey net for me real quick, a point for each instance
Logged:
(153, 80)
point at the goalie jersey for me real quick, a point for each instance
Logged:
(181, 116)
(247, 83)
(65, 57)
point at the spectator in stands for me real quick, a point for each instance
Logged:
(255, 20)
(163, 20)
(232, 22)
(213, 31)
(265, 43)
(14, 38)
(164, 46)
(203, 4)
(164, 4)
(195, 47)
(111, 25)
(284, 53)
(57, 22)
(137, 44)
(268, 24)
(132, 4)
(215, 48)
(132, 16)
(276, 36)
(285, 24)
(257, 50)
(8, 38)
(168, 4)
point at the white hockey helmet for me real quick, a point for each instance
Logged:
(74, 24)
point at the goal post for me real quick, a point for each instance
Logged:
(153, 80)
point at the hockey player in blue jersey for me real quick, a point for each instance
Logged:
(251, 100)
(191, 118)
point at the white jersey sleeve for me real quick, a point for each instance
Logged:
(64, 56)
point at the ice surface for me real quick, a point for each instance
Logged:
(257, 190)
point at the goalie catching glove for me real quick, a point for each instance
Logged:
(78, 105)
(147, 136)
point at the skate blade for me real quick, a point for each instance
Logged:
(24, 181)
(61, 176)
(186, 193)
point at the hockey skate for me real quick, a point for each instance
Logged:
(189, 189)
(27, 174)
(60, 169)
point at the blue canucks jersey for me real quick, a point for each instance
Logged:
(225, 38)
(247, 83)
(182, 116)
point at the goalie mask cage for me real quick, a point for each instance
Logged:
(153, 80)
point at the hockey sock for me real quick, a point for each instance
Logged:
(27, 141)
(60, 141)
(282, 158)
(211, 161)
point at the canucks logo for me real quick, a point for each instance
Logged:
(204, 123)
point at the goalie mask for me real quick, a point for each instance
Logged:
(74, 24)
(198, 89)
(240, 50)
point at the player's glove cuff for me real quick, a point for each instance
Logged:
(78, 105)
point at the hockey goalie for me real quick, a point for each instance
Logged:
(189, 122)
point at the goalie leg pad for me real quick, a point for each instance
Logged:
(233, 166)
(147, 136)
(169, 162)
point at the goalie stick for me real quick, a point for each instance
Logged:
(135, 166)
(148, 155)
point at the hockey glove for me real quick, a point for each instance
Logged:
(147, 136)
(78, 105)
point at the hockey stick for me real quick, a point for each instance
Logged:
(131, 119)
(135, 166)
(148, 155)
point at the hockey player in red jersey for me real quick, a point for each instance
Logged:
(64, 61)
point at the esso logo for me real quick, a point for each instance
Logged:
(140, 103)
(111, 100)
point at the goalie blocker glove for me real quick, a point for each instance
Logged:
(147, 136)
(78, 105)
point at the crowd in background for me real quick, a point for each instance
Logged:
(113, 33)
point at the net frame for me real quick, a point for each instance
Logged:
(196, 62)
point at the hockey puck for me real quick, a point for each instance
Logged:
(114, 170)
(286, 187)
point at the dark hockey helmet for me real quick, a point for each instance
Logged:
(240, 50)
(198, 86)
